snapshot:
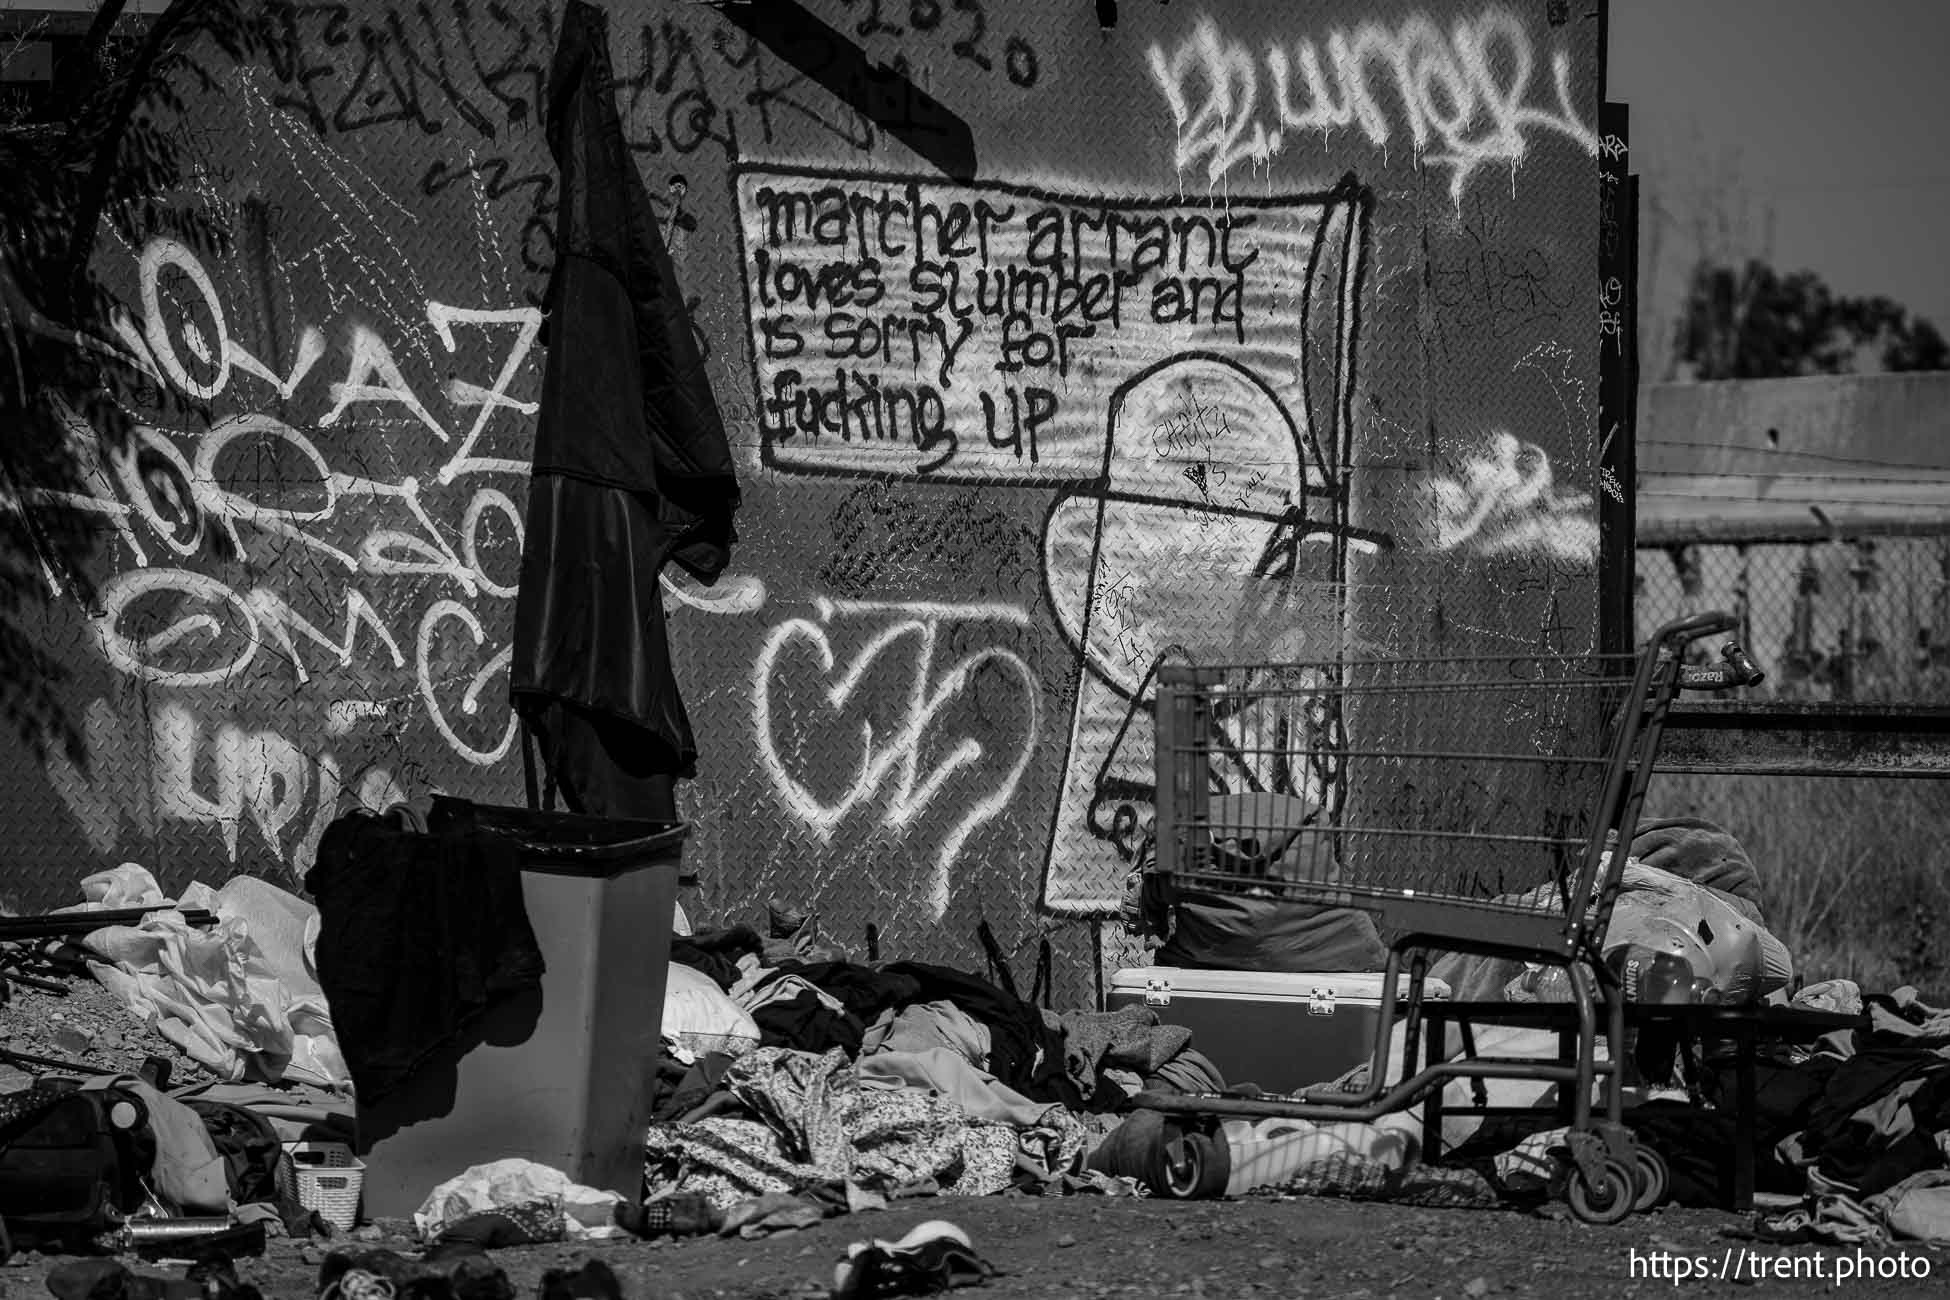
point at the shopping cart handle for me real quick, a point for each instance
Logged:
(1699, 625)
(1737, 658)
(1738, 670)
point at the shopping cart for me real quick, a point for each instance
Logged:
(1472, 805)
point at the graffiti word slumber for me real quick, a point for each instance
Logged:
(970, 332)
(813, 714)
(1460, 98)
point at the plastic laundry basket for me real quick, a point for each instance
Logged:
(563, 1080)
(328, 1178)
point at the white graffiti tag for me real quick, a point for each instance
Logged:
(223, 776)
(890, 766)
(1505, 501)
(390, 567)
(1462, 95)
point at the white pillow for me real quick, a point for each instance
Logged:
(700, 1017)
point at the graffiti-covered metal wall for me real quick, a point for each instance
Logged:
(1051, 352)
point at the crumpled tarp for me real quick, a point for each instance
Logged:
(588, 1213)
(241, 997)
(815, 1123)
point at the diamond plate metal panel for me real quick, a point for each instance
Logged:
(308, 550)
(1052, 353)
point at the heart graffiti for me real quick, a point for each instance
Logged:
(891, 773)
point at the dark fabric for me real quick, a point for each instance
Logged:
(1134, 1149)
(593, 1280)
(110, 1279)
(1877, 1118)
(865, 991)
(17, 1108)
(1785, 1096)
(600, 765)
(250, 1147)
(805, 1024)
(1698, 1147)
(716, 952)
(1215, 931)
(1024, 1052)
(686, 1214)
(418, 934)
(530, 1223)
(1699, 851)
(1228, 930)
(631, 466)
(692, 1085)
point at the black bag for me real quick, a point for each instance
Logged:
(1226, 931)
(70, 1160)
(1239, 921)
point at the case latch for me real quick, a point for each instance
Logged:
(1157, 990)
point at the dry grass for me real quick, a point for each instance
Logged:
(1856, 872)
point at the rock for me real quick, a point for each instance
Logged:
(371, 1232)
(1476, 1288)
(12, 1080)
(72, 1039)
(1271, 1261)
(1066, 1240)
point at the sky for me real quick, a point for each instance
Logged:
(1831, 114)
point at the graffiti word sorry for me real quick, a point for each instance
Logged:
(226, 777)
(1461, 97)
(887, 769)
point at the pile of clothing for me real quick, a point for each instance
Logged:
(1859, 1125)
(788, 1068)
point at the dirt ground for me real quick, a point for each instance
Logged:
(1096, 1247)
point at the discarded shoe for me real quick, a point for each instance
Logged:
(109, 1279)
(480, 1278)
(686, 1214)
(530, 1223)
(934, 1256)
(380, 1275)
(450, 1270)
(593, 1281)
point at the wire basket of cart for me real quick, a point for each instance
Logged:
(1471, 805)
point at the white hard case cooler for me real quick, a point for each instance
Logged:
(1281, 1031)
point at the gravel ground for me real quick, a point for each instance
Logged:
(88, 1026)
(1094, 1247)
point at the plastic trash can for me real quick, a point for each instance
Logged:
(562, 1077)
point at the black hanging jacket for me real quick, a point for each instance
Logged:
(632, 466)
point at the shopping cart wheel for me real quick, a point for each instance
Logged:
(1653, 1179)
(1611, 1200)
(1195, 1166)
